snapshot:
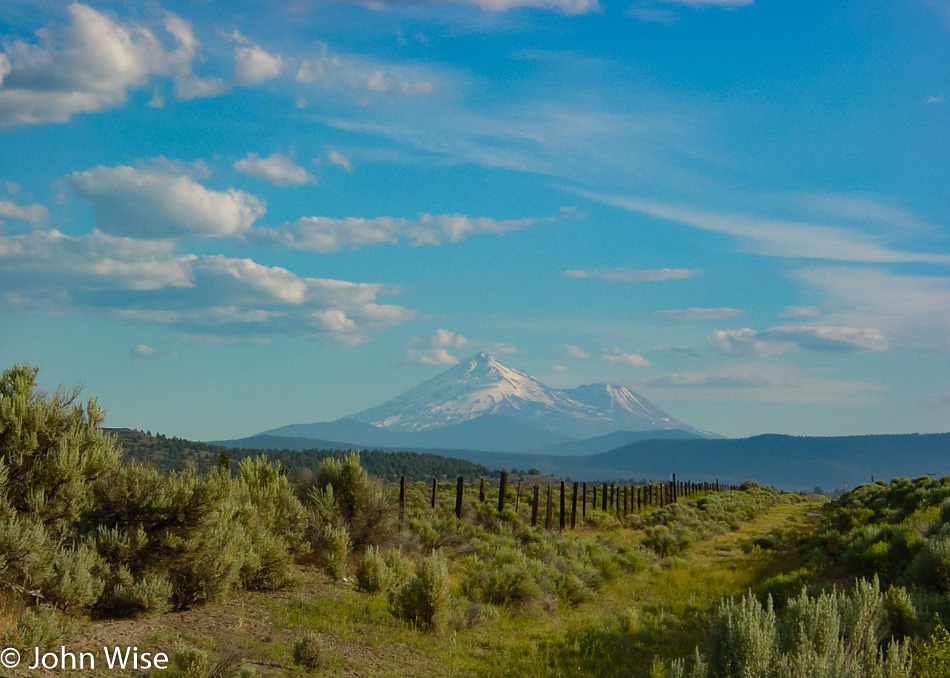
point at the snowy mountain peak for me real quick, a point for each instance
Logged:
(482, 385)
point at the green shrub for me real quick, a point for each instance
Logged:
(372, 575)
(274, 522)
(667, 541)
(196, 662)
(343, 492)
(308, 650)
(833, 635)
(399, 567)
(334, 549)
(39, 626)
(74, 586)
(931, 567)
(782, 587)
(423, 599)
(932, 656)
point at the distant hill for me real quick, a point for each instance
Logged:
(787, 462)
(177, 453)
(611, 441)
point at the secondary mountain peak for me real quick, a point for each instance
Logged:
(482, 385)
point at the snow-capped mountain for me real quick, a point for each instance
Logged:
(482, 385)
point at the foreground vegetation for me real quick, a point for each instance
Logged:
(745, 583)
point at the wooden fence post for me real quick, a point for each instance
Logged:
(549, 512)
(517, 497)
(675, 493)
(593, 504)
(574, 507)
(481, 490)
(435, 486)
(402, 498)
(459, 488)
(534, 506)
(502, 490)
(603, 498)
(563, 512)
(584, 502)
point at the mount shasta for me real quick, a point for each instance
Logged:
(482, 404)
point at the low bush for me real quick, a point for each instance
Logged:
(831, 635)
(308, 650)
(334, 549)
(372, 574)
(422, 600)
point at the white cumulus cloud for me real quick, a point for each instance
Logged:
(621, 357)
(148, 281)
(434, 350)
(576, 352)
(440, 348)
(36, 214)
(783, 338)
(277, 169)
(254, 65)
(90, 65)
(146, 203)
(325, 234)
(747, 342)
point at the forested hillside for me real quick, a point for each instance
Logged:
(177, 453)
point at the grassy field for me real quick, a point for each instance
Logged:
(633, 622)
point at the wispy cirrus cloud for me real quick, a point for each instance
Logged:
(334, 157)
(152, 203)
(819, 338)
(911, 310)
(364, 79)
(773, 237)
(934, 400)
(325, 234)
(629, 275)
(567, 7)
(801, 312)
(146, 352)
(276, 169)
(697, 314)
(762, 382)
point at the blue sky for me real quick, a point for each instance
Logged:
(223, 217)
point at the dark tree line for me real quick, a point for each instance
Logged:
(175, 454)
